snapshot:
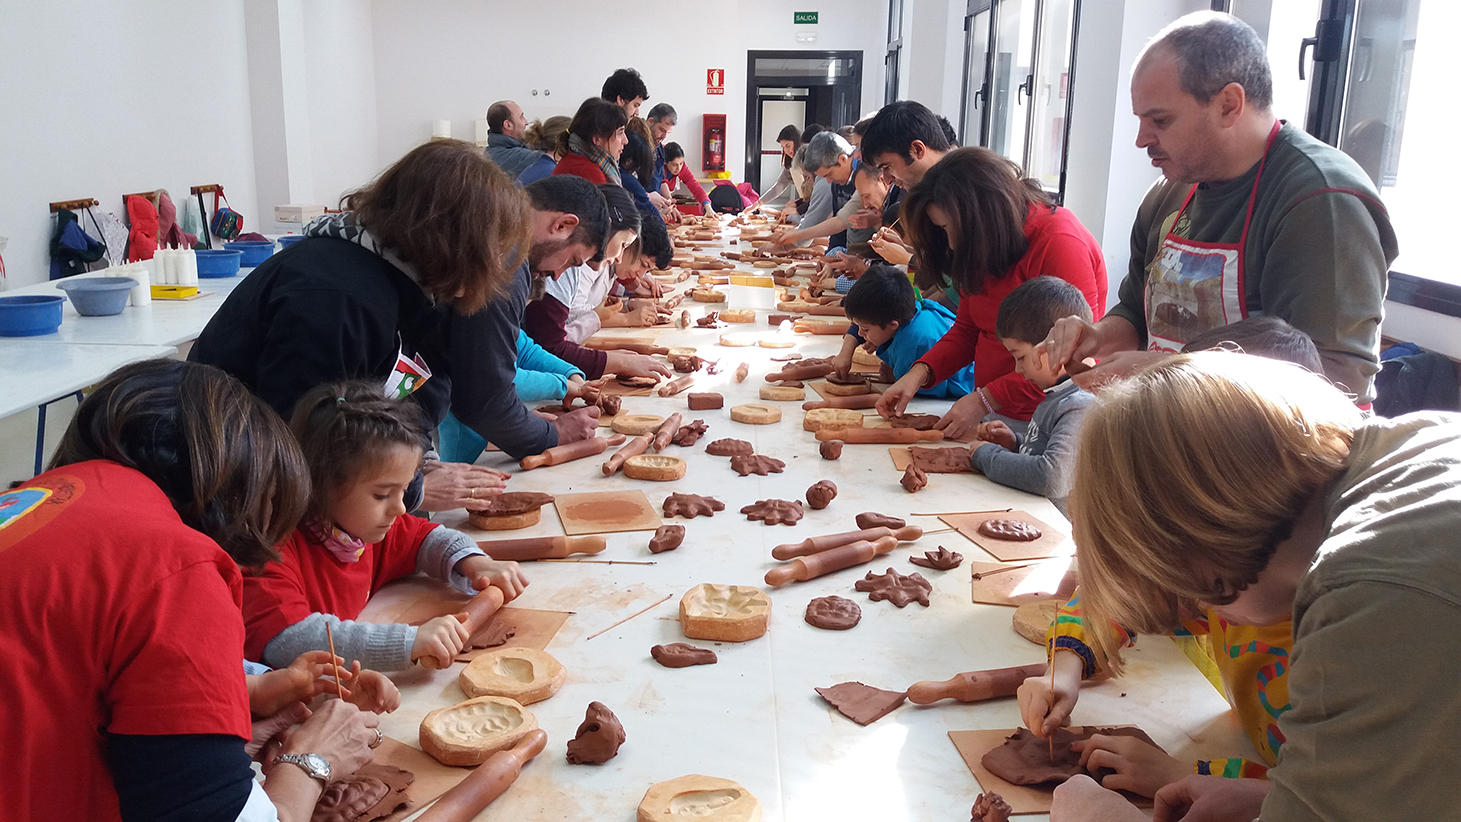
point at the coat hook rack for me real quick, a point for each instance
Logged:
(207, 189)
(72, 205)
(149, 196)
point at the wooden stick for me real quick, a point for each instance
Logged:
(952, 513)
(600, 561)
(1051, 738)
(330, 638)
(940, 530)
(631, 616)
(983, 574)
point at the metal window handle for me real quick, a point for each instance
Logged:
(1328, 43)
(1303, 47)
(1028, 87)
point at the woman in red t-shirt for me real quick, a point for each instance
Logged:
(123, 683)
(362, 450)
(979, 227)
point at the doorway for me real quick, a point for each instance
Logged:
(795, 88)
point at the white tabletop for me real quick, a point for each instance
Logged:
(34, 371)
(163, 322)
(754, 716)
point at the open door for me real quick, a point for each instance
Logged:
(795, 88)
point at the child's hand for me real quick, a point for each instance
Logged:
(372, 690)
(302, 681)
(1040, 713)
(483, 571)
(438, 641)
(1140, 767)
(842, 361)
(998, 433)
(578, 387)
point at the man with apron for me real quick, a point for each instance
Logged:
(1252, 216)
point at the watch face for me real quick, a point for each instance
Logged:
(318, 765)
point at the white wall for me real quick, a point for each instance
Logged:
(339, 44)
(104, 99)
(934, 55)
(449, 60)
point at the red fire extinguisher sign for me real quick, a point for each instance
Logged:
(715, 81)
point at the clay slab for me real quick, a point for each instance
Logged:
(432, 778)
(973, 745)
(1052, 542)
(603, 512)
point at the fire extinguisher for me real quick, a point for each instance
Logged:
(715, 149)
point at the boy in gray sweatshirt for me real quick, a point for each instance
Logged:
(1042, 460)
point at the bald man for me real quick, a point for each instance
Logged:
(506, 126)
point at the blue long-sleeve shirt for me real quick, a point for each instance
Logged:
(929, 324)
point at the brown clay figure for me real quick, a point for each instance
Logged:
(914, 480)
(688, 435)
(833, 613)
(1025, 759)
(598, 737)
(705, 401)
(686, 363)
(775, 511)
(941, 560)
(1014, 530)
(820, 495)
(990, 807)
(728, 448)
(510, 511)
(610, 405)
(710, 320)
(870, 519)
(691, 506)
(895, 587)
(831, 450)
(682, 655)
(744, 464)
(370, 793)
(666, 538)
(941, 460)
(861, 703)
(920, 422)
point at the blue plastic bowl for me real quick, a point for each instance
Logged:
(214, 263)
(28, 316)
(290, 239)
(254, 251)
(98, 296)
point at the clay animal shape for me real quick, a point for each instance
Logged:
(688, 435)
(682, 655)
(821, 494)
(775, 511)
(710, 320)
(941, 560)
(990, 807)
(691, 506)
(598, 738)
(895, 587)
(609, 405)
(666, 538)
(728, 448)
(744, 464)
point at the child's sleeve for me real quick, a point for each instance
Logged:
(1068, 633)
(544, 321)
(440, 550)
(378, 647)
(954, 350)
(1234, 768)
(1048, 473)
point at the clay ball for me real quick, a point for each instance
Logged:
(821, 494)
(831, 449)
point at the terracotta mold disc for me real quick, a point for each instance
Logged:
(737, 340)
(861, 703)
(775, 342)
(724, 613)
(782, 393)
(755, 414)
(633, 425)
(706, 798)
(654, 467)
(504, 522)
(824, 419)
(467, 733)
(738, 315)
(524, 674)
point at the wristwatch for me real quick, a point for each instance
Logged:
(313, 764)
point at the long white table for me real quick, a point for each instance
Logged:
(754, 716)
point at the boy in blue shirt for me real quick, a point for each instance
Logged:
(886, 313)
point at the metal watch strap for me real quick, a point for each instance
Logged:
(303, 761)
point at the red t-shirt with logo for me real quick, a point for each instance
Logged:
(307, 579)
(115, 617)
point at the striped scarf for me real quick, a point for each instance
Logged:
(578, 145)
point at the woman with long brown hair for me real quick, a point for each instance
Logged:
(594, 140)
(120, 628)
(979, 228)
(1257, 490)
(367, 294)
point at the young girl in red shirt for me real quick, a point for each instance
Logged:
(362, 450)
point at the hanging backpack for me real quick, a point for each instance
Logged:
(226, 223)
(725, 199)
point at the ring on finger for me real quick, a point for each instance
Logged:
(474, 493)
(379, 738)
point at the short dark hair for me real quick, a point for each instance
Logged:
(812, 131)
(662, 111)
(1029, 312)
(454, 215)
(949, 133)
(881, 296)
(988, 199)
(654, 238)
(570, 194)
(860, 127)
(225, 460)
(868, 169)
(1213, 49)
(637, 158)
(623, 212)
(594, 118)
(673, 151)
(897, 125)
(497, 114)
(1264, 336)
(624, 84)
(344, 428)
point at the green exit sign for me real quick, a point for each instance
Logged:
(809, 17)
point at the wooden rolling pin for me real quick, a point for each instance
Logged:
(827, 310)
(742, 371)
(480, 609)
(632, 448)
(487, 782)
(820, 327)
(975, 686)
(528, 548)
(891, 436)
(559, 454)
(801, 371)
(676, 385)
(826, 542)
(843, 556)
(857, 402)
(666, 431)
(624, 345)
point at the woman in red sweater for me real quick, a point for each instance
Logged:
(593, 142)
(980, 227)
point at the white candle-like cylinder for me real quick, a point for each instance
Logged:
(441, 128)
(481, 129)
(187, 267)
(141, 294)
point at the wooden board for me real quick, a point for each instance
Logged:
(432, 778)
(1052, 542)
(614, 388)
(1055, 577)
(902, 457)
(577, 520)
(817, 386)
(1022, 799)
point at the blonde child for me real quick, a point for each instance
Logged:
(362, 451)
